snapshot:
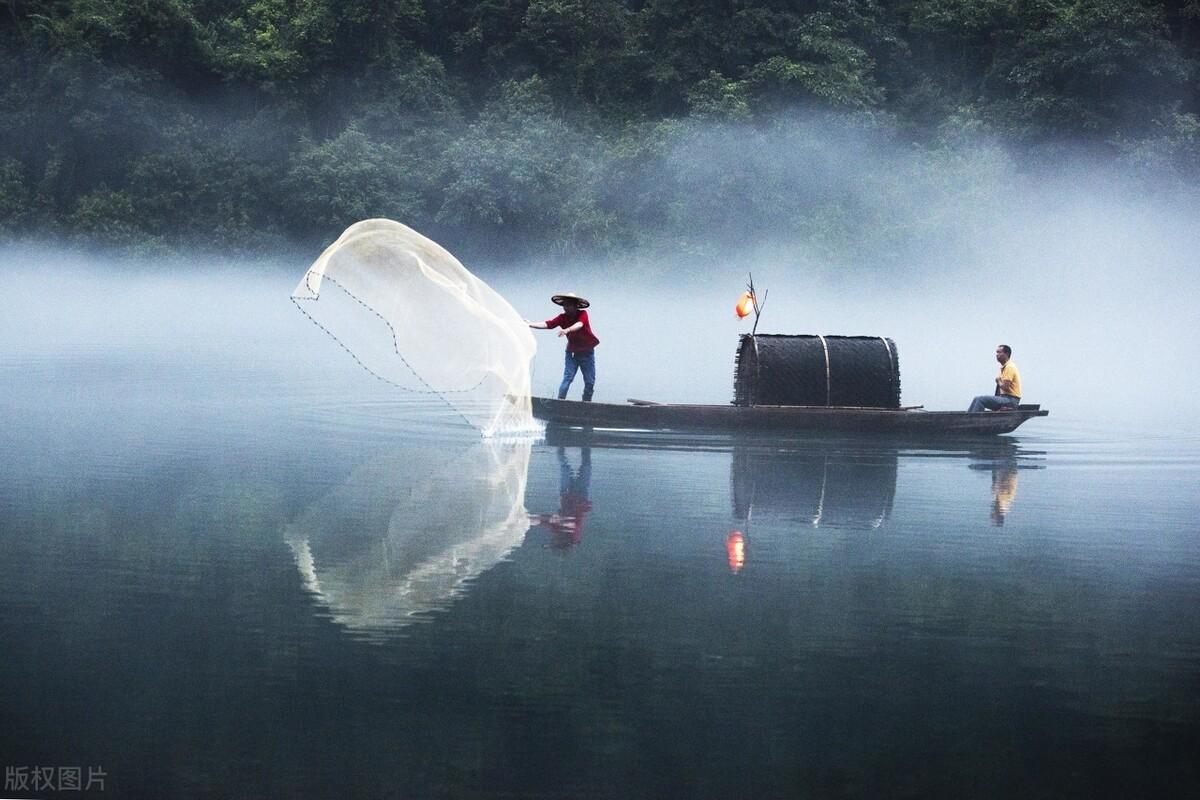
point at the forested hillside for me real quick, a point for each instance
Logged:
(557, 124)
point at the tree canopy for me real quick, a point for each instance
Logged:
(237, 124)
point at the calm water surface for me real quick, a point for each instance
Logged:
(214, 583)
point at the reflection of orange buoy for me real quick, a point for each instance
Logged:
(745, 305)
(735, 548)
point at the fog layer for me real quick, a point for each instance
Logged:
(1086, 272)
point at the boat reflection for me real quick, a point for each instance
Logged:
(839, 482)
(566, 524)
(403, 536)
(820, 481)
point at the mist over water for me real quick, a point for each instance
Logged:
(1088, 276)
(1085, 268)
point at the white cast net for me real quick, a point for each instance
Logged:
(412, 315)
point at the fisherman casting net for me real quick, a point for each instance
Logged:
(405, 309)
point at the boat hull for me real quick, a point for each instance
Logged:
(683, 417)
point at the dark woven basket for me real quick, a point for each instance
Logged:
(810, 370)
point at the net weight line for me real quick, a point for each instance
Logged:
(429, 390)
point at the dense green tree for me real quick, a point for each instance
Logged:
(345, 179)
(562, 123)
(582, 46)
(522, 168)
(15, 200)
(1087, 67)
(106, 216)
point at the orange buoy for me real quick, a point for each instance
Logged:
(745, 305)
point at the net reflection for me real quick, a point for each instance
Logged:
(403, 536)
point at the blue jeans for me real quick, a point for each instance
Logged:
(585, 361)
(993, 402)
(577, 482)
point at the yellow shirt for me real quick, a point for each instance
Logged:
(1009, 372)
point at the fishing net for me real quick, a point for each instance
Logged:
(405, 309)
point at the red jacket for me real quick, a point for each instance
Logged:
(580, 340)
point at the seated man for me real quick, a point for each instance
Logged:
(1008, 385)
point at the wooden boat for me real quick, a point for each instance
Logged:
(911, 420)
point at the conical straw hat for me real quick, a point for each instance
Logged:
(559, 298)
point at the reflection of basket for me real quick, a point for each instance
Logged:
(822, 487)
(773, 370)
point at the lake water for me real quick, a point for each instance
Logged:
(218, 583)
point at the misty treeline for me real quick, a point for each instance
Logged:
(565, 124)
